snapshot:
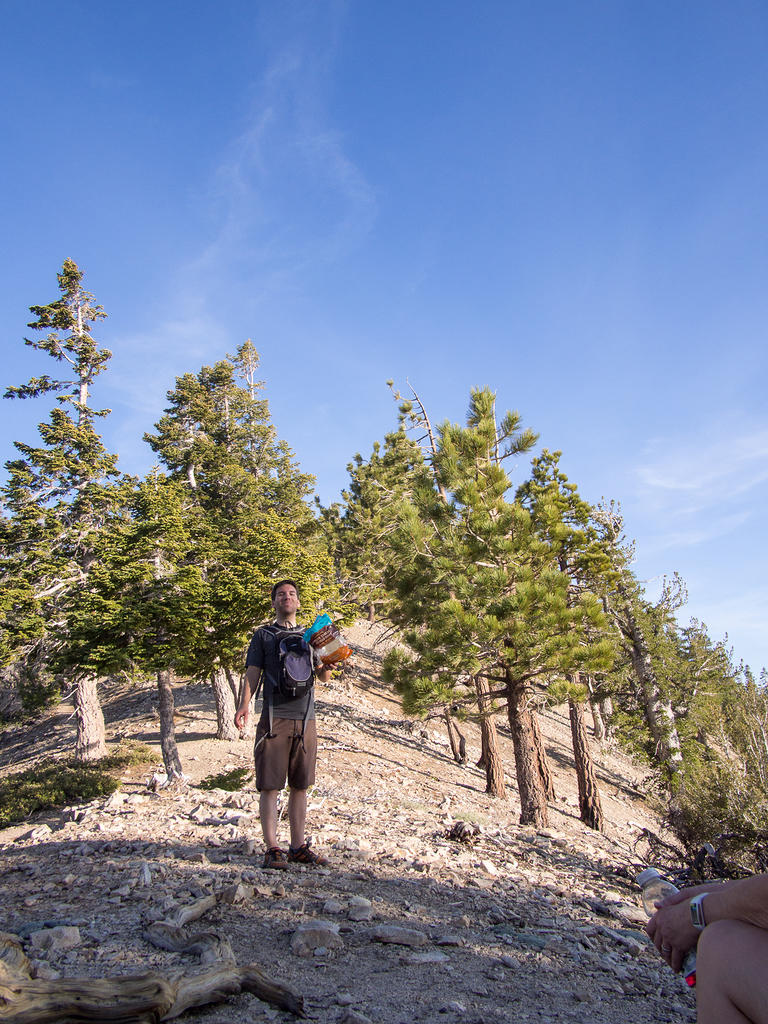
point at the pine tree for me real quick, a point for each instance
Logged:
(251, 522)
(143, 608)
(57, 499)
(626, 608)
(357, 529)
(565, 522)
(476, 591)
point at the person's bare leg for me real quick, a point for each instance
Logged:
(297, 816)
(268, 816)
(731, 979)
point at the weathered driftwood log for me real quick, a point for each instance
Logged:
(13, 960)
(192, 911)
(169, 934)
(217, 983)
(134, 999)
(209, 946)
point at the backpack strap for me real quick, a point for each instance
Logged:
(268, 691)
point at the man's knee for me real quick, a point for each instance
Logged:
(730, 970)
(718, 942)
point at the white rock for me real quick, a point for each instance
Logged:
(360, 909)
(432, 957)
(353, 1017)
(58, 939)
(37, 834)
(115, 801)
(43, 971)
(238, 893)
(312, 934)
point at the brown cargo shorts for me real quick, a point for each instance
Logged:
(283, 755)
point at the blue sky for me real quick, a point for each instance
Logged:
(566, 202)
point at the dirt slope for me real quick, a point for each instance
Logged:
(514, 925)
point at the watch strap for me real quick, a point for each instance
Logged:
(697, 912)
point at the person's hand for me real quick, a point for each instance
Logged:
(241, 718)
(671, 929)
(674, 897)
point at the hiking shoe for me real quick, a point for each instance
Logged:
(275, 858)
(304, 855)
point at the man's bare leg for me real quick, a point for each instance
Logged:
(731, 979)
(297, 816)
(268, 816)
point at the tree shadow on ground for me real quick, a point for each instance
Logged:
(469, 925)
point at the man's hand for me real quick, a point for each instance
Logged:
(324, 672)
(671, 929)
(241, 718)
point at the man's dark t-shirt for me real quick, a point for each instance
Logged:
(263, 654)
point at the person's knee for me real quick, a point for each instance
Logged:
(717, 944)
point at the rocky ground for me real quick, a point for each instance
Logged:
(405, 924)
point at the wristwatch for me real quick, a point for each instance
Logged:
(697, 912)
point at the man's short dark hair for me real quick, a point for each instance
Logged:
(281, 583)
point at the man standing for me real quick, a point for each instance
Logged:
(286, 739)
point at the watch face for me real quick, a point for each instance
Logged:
(697, 913)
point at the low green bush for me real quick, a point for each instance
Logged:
(60, 783)
(723, 804)
(231, 781)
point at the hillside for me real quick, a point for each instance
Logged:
(514, 924)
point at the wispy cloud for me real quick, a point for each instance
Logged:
(145, 368)
(286, 195)
(742, 615)
(696, 533)
(697, 489)
(702, 469)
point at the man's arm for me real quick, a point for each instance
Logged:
(250, 686)
(743, 900)
(323, 672)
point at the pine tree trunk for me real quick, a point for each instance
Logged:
(225, 706)
(590, 807)
(533, 802)
(371, 611)
(457, 741)
(547, 778)
(91, 734)
(598, 725)
(234, 687)
(606, 710)
(658, 708)
(490, 759)
(171, 758)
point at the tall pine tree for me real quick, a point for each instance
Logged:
(565, 522)
(250, 522)
(57, 499)
(477, 592)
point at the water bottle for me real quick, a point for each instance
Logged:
(655, 888)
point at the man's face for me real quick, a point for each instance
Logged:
(286, 602)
